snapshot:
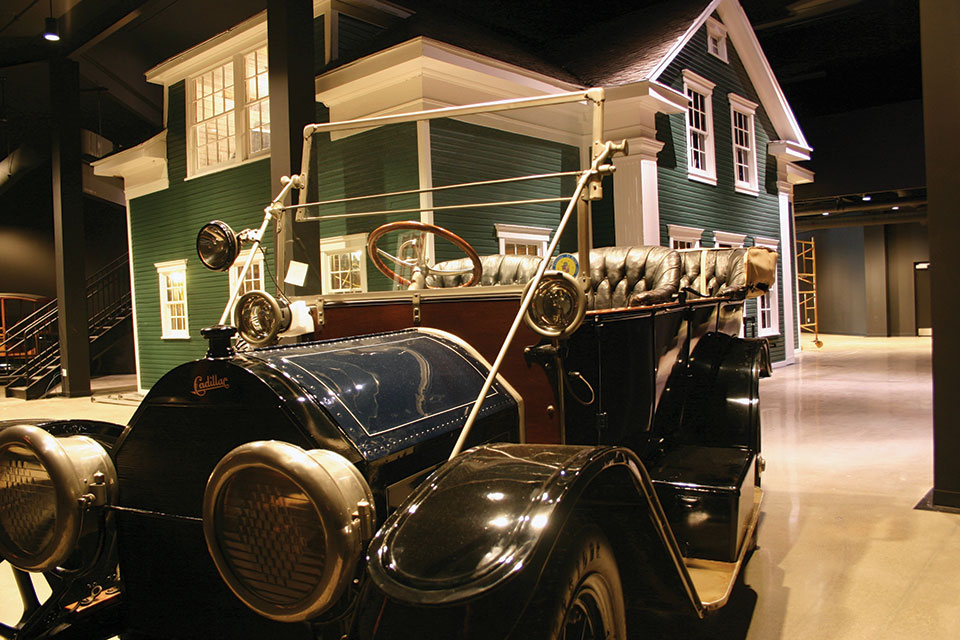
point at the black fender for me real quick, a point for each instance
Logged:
(471, 543)
(713, 399)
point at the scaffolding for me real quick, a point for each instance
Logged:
(807, 288)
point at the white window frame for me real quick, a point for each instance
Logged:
(679, 233)
(239, 114)
(717, 34)
(696, 83)
(258, 275)
(521, 234)
(771, 298)
(342, 244)
(727, 240)
(747, 109)
(165, 269)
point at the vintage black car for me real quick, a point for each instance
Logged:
(400, 470)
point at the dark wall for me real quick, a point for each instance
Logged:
(866, 150)
(865, 278)
(841, 290)
(26, 235)
(906, 244)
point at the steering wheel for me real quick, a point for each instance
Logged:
(418, 260)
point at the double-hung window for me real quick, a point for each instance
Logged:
(229, 107)
(253, 280)
(701, 158)
(717, 39)
(744, 144)
(768, 310)
(343, 263)
(173, 299)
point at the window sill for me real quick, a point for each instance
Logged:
(767, 333)
(176, 337)
(749, 191)
(706, 179)
(227, 165)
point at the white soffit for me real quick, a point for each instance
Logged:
(143, 167)
(423, 74)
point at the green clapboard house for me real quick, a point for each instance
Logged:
(713, 146)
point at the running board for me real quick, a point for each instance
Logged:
(714, 579)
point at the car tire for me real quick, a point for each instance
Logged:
(579, 594)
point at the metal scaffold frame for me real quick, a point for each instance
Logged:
(807, 288)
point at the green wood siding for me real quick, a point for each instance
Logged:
(377, 161)
(694, 204)
(354, 35)
(164, 227)
(464, 152)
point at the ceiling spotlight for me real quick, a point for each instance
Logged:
(896, 208)
(825, 213)
(50, 30)
(867, 198)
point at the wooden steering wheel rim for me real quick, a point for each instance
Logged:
(413, 225)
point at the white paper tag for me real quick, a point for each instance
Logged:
(296, 273)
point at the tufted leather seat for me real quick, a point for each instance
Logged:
(619, 276)
(497, 269)
(632, 276)
(725, 271)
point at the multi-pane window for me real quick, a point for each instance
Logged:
(215, 130)
(521, 248)
(698, 130)
(173, 299)
(716, 39)
(231, 119)
(684, 237)
(701, 164)
(257, 99)
(344, 270)
(744, 144)
(768, 312)
(343, 263)
(253, 280)
(522, 239)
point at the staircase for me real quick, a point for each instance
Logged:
(30, 350)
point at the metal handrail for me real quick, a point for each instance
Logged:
(108, 292)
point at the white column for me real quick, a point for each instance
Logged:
(635, 194)
(788, 285)
(425, 172)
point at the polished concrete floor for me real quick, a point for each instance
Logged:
(843, 554)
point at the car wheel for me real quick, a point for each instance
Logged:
(579, 595)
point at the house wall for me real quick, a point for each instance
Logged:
(695, 204)
(463, 152)
(164, 227)
(380, 160)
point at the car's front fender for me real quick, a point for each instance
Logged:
(482, 528)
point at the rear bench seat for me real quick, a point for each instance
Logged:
(725, 271)
(619, 276)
